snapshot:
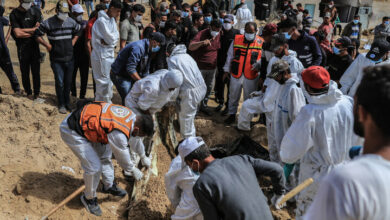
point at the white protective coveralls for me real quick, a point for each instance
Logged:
(266, 103)
(320, 137)
(95, 158)
(151, 94)
(288, 104)
(179, 181)
(104, 29)
(191, 92)
(236, 85)
(354, 74)
(243, 16)
(358, 190)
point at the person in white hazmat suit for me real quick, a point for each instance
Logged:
(321, 134)
(93, 132)
(360, 189)
(264, 102)
(191, 92)
(243, 16)
(147, 96)
(378, 55)
(289, 102)
(179, 181)
(105, 37)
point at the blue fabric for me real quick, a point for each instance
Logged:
(134, 58)
(122, 85)
(63, 78)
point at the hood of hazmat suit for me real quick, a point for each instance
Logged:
(288, 104)
(320, 136)
(105, 29)
(353, 75)
(148, 94)
(179, 181)
(173, 79)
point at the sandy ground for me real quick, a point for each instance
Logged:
(37, 170)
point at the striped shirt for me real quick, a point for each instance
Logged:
(60, 34)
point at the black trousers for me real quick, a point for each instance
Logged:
(220, 86)
(83, 66)
(29, 60)
(6, 66)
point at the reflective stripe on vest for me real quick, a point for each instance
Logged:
(245, 55)
(99, 119)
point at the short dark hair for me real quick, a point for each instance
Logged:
(385, 18)
(172, 5)
(170, 25)
(305, 11)
(299, 5)
(215, 23)
(251, 24)
(288, 23)
(115, 4)
(139, 8)
(185, 5)
(196, 16)
(159, 15)
(176, 13)
(320, 34)
(356, 16)
(146, 124)
(147, 34)
(170, 48)
(373, 94)
(200, 153)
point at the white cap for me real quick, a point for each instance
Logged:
(189, 145)
(77, 8)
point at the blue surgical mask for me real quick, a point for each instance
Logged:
(107, 5)
(156, 49)
(184, 14)
(196, 8)
(336, 50)
(287, 36)
(356, 21)
(221, 20)
(387, 22)
(207, 19)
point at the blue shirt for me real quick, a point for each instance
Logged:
(134, 58)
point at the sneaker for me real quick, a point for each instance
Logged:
(230, 120)
(91, 205)
(62, 110)
(115, 190)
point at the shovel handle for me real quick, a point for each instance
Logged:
(296, 190)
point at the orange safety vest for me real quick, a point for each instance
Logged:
(99, 118)
(245, 55)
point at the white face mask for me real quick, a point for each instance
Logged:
(79, 18)
(227, 26)
(26, 6)
(62, 16)
(138, 18)
(250, 37)
(162, 24)
(214, 33)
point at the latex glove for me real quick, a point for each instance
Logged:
(257, 66)
(255, 94)
(136, 173)
(275, 201)
(146, 161)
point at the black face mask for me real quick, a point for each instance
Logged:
(357, 126)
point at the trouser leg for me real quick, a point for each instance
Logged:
(58, 71)
(123, 86)
(73, 87)
(68, 70)
(209, 78)
(234, 94)
(6, 65)
(105, 154)
(84, 72)
(250, 86)
(249, 108)
(36, 70)
(24, 64)
(101, 74)
(220, 86)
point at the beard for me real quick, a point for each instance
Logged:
(357, 126)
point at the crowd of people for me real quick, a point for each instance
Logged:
(323, 102)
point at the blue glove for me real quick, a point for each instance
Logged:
(355, 151)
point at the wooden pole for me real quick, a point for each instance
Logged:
(296, 190)
(65, 201)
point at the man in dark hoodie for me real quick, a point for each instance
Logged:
(5, 59)
(306, 46)
(353, 29)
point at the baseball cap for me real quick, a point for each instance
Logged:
(62, 6)
(189, 145)
(345, 42)
(278, 67)
(327, 15)
(228, 18)
(77, 8)
(277, 41)
(269, 29)
(159, 37)
(317, 77)
(378, 49)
